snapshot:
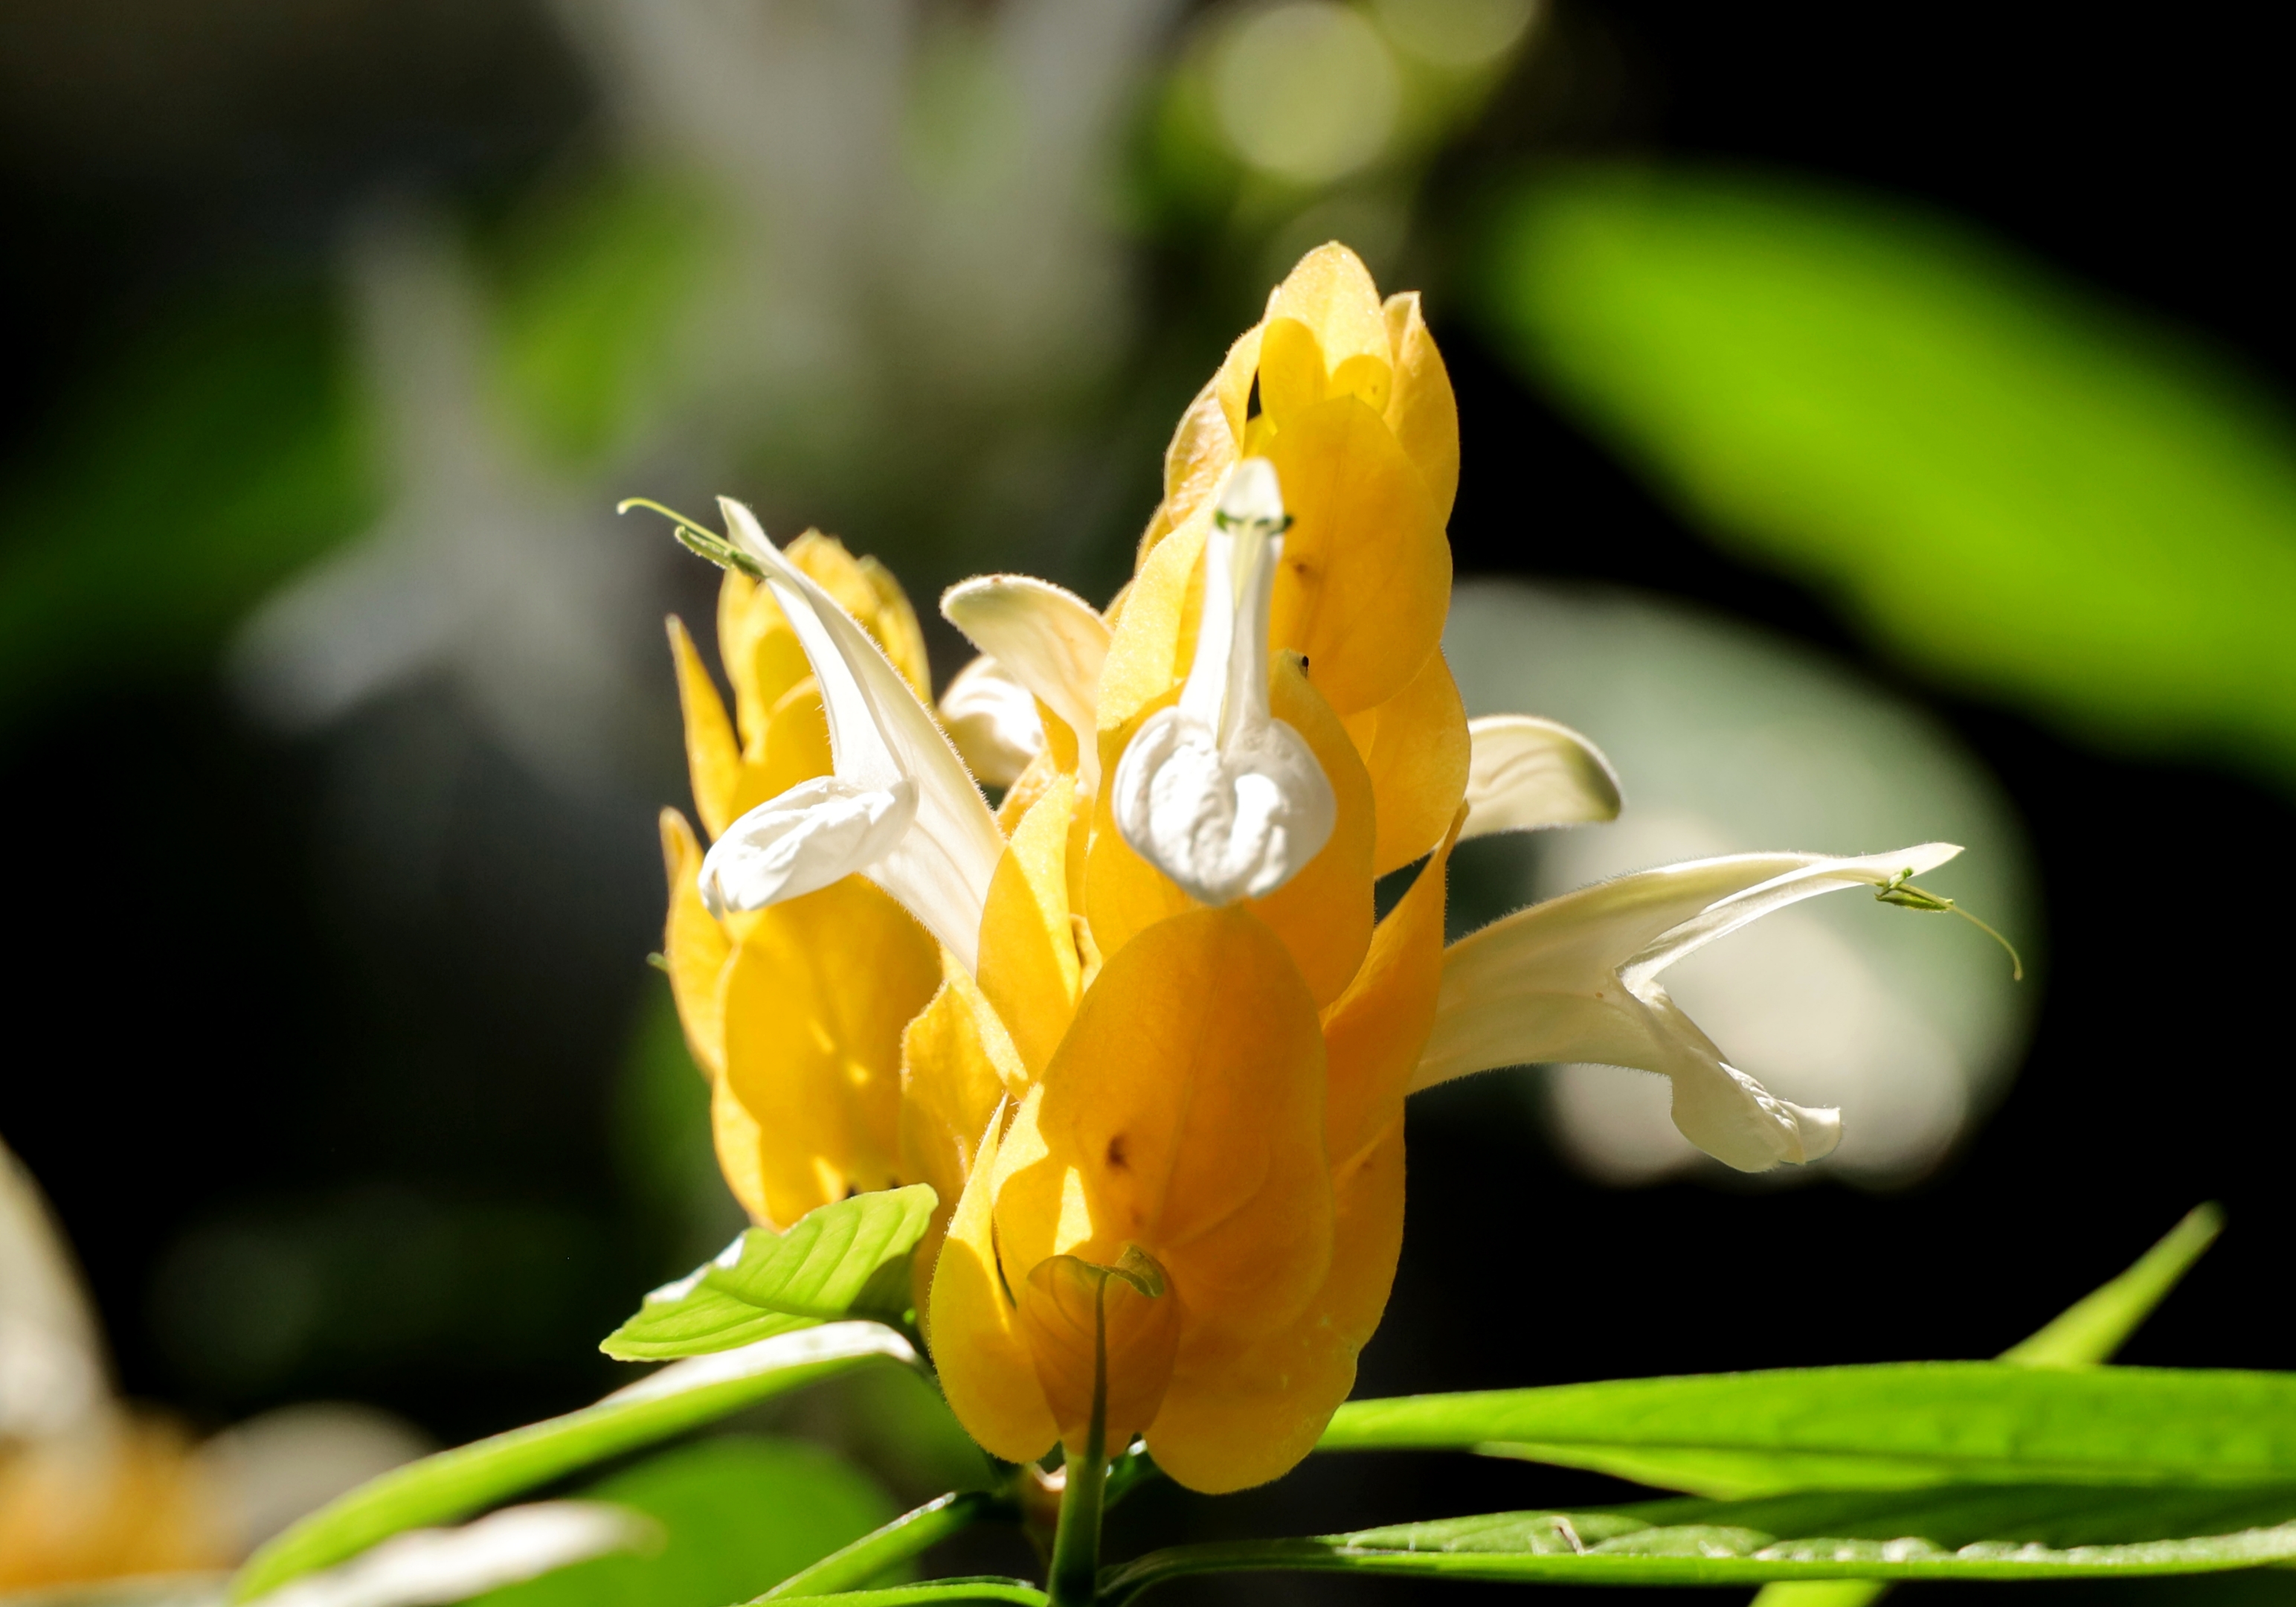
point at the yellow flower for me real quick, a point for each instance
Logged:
(794, 1012)
(1159, 1082)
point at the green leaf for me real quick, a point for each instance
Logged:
(879, 1553)
(851, 1258)
(736, 1513)
(455, 1484)
(2015, 483)
(1998, 1533)
(1895, 1426)
(983, 1588)
(2085, 1333)
(2093, 1328)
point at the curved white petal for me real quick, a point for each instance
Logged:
(1575, 979)
(817, 832)
(1525, 773)
(993, 720)
(1049, 640)
(1214, 792)
(883, 737)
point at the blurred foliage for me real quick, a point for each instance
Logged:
(199, 466)
(738, 1514)
(591, 285)
(2019, 487)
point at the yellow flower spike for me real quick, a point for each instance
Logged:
(1366, 576)
(1155, 637)
(957, 1065)
(818, 992)
(984, 1362)
(1422, 411)
(713, 759)
(1077, 1314)
(1417, 749)
(743, 1150)
(792, 746)
(1323, 914)
(1029, 970)
(1243, 1418)
(694, 949)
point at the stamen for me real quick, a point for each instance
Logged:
(1899, 891)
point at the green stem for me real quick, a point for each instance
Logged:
(880, 1551)
(1076, 1543)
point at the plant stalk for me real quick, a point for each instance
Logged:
(1075, 1578)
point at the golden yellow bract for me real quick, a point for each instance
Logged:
(1171, 1128)
(795, 1013)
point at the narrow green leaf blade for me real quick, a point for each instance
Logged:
(1895, 1426)
(455, 1484)
(2086, 1333)
(2090, 1329)
(937, 1591)
(849, 1258)
(2000, 1533)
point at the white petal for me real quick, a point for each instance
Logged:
(1226, 824)
(1216, 792)
(882, 736)
(1524, 773)
(426, 1566)
(817, 832)
(1817, 874)
(993, 720)
(1574, 979)
(1049, 640)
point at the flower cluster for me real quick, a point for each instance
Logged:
(1138, 1027)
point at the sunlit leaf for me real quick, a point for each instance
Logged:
(981, 1589)
(2093, 1328)
(453, 1484)
(848, 1259)
(1895, 1426)
(873, 1556)
(736, 1515)
(1998, 1533)
(2086, 1333)
(2018, 486)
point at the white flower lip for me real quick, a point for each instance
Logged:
(1526, 774)
(1048, 641)
(1214, 792)
(992, 718)
(900, 809)
(1575, 979)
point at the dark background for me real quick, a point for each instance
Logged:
(200, 1026)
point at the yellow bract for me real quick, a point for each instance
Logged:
(795, 1013)
(1167, 1133)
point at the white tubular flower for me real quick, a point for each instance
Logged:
(900, 808)
(993, 720)
(1049, 641)
(1575, 979)
(1525, 774)
(1214, 792)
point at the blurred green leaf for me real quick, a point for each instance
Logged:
(1895, 1426)
(197, 468)
(2002, 1533)
(739, 1515)
(592, 297)
(453, 1484)
(847, 1258)
(2018, 486)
